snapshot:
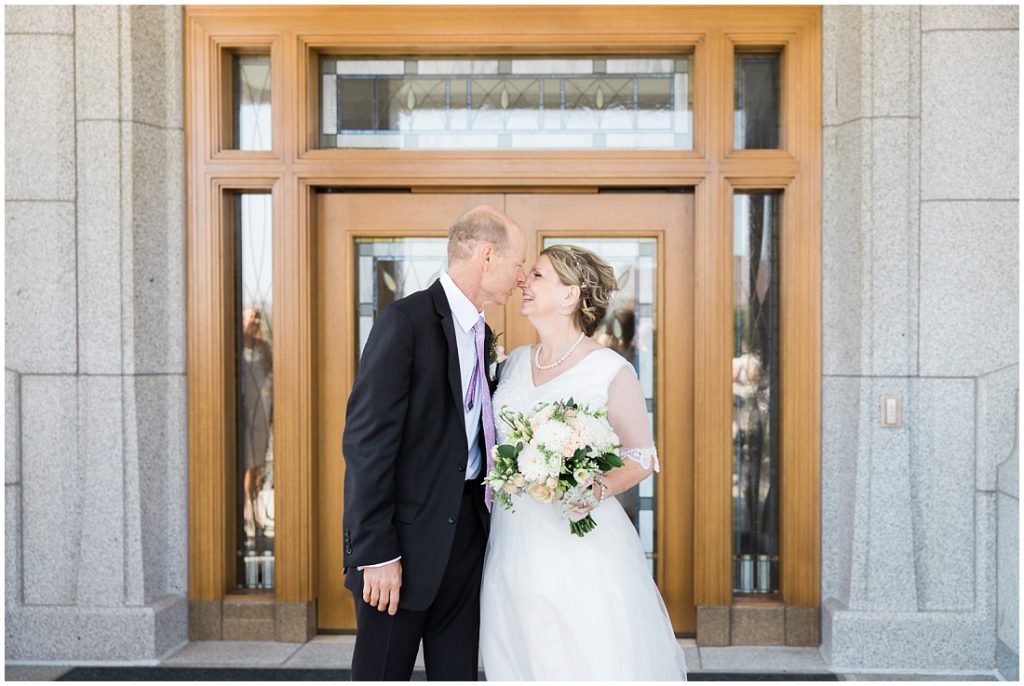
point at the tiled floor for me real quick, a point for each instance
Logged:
(336, 652)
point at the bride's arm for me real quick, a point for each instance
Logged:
(627, 413)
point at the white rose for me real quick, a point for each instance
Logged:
(533, 464)
(540, 417)
(541, 493)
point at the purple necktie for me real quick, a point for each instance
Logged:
(486, 415)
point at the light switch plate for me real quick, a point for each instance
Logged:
(892, 411)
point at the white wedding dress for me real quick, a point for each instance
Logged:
(555, 606)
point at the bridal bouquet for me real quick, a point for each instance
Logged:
(557, 451)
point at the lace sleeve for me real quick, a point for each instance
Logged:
(644, 456)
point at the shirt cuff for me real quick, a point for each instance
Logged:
(380, 564)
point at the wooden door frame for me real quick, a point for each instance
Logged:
(293, 169)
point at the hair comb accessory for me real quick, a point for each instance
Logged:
(584, 283)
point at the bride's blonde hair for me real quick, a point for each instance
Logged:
(578, 266)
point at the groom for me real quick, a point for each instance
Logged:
(415, 522)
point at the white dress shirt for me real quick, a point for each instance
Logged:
(465, 316)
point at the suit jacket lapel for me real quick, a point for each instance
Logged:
(454, 368)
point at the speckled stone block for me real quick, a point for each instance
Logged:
(969, 287)
(890, 251)
(99, 247)
(840, 409)
(970, 115)
(1007, 662)
(248, 629)
(233, 653)
(97, 66)
(170, 620)
(12, 546)
(153, 73)
(204, 620)
(12, 427)
(842, 238)
(295, 621)
(895, 60)
(969, 17)
(39, 117)
(883, 536)
(38, 19)
(39, 258)
(713, 625)
(928, 640)
(942, 471)
(53, 479)
(912, 640)
(82, 633)
(1008, 572)
(758, 625)
(754, 659)
(157, 426)
(997, 423)
(843, 73)
(154, 265)
(249, 609)
(99, 534)
(1009, 471)
(802, 626)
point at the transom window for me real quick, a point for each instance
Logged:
(507, 103)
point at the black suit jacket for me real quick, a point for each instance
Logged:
(405, 447)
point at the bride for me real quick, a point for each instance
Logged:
(555, 606)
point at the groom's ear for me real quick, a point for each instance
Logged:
(486, 253)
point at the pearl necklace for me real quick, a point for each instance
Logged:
(563, 358)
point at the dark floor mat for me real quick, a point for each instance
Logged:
(300, 674)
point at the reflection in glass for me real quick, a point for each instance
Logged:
(756, 107)
(629, 328)
(391, 268)
(254, 337)
(251, 104)
(506, 103)
(755, 392)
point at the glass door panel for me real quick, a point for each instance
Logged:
(629, 328)
(388, 269)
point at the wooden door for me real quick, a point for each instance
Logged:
(374, 247)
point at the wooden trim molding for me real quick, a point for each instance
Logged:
(294, 168)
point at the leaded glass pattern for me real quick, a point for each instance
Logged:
(254, 374)
(506, 103)
(755, 392)
(756, 104)
(629, 328)
(251, 102)
(391, 268)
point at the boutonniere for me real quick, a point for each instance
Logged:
(495, 355)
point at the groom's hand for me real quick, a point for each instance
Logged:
(380, 586)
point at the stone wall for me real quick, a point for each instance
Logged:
(920, 300)
(96, 438)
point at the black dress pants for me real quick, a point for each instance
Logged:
(386, 645)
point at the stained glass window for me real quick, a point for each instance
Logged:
(506, 103)
(755, 392)
(251, 102)
(756, 106)
(254, 374)
(391, 268)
